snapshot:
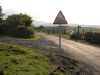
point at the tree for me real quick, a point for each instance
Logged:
(17, 20)
(25, 20)
(1, 15)
(19, 25)
(13, 21)
(41, 28)
(1, 20)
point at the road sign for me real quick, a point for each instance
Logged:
(60, 19)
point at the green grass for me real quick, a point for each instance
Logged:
(35, 37)
(16, 60)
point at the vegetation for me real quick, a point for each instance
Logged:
(1, 16)
(91, 37)
(77, 36)
(88, 34)
(15, 60)
(17, 20)
(35, 37)
(1, 19)
(18, 25)
(25, 32)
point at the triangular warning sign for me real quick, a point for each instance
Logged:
(60, 19)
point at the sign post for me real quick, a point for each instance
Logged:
(59, 37)
(60, 19)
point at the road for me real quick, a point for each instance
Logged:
(82, 52)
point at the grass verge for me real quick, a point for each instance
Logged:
(35, 37)
(16, 60)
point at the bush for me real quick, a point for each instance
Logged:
(25, 32)
(73, 36)
(17, 25)
(92, 37)
(77, 37)
(88, 37)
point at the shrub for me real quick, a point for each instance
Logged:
(25, 32)
(73, 36)
(88, 36)
(92, 37)
(77, 37)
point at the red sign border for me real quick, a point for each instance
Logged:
(63, 17)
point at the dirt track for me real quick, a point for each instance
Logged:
(82, 52)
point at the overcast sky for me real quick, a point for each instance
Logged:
(75, 11)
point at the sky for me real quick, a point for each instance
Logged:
(75, 11)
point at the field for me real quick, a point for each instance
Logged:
(73, 28)
(68, 30)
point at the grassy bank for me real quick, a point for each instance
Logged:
(15, 60)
